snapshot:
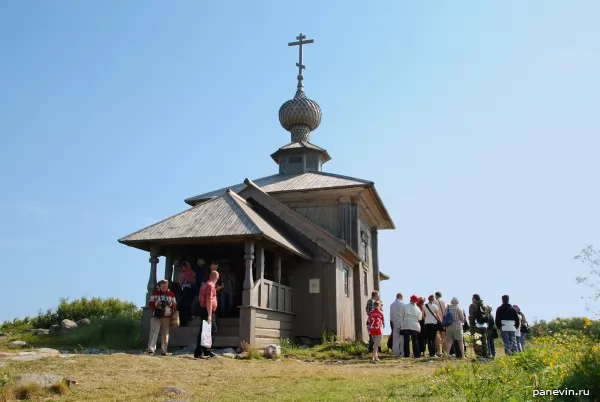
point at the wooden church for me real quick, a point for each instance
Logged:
(298, 249)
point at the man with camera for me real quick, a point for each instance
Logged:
(162, 302)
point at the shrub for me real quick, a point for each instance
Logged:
(251, 351)
(93, 308)
(574, 326)
(585, 373)
(288, 345)
(113, 333)
(548, 363)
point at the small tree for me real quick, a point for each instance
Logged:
(591, 257)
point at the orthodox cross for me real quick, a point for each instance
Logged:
(299, 43)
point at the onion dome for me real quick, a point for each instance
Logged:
(300, 115)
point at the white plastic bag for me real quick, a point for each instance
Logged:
(205, 337)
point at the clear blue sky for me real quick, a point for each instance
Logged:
(477, 122)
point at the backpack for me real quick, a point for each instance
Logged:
(481, 317)
(448, 319)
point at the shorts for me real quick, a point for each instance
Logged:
(377, 340)
(454, 335)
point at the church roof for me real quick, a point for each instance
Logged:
(300, 145)
(227, 215)
(280, 183)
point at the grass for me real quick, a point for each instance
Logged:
(138, 377)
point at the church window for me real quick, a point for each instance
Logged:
(346, 273)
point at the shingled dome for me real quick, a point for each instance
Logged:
(300, 116)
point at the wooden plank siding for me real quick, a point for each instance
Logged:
(344, 301)
(272, 326)
(325, 216)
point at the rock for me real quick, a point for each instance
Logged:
(54, 329)
(84, 322)
(238, 350)
(4, 334)
(41, 331)
(272, 351)
(67, 325)
(18, 345)
(228, 350)
(36, 354)
(174, 390)
(242, 355)
(230, 355)
(43, 380)
(304, 347)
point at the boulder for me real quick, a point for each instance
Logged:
(84, 322)
(228, 350)
(230, 355)
(43, 380)
(174, 390)
(18, 345)
(54, 329)
(35, 354)
(41, 331)
(272, 351)
(67, 325)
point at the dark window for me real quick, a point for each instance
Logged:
(366, 284)
(346, 272)
(295, 159)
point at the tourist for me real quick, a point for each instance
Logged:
(432, 320)
(421, 336)
(411, 328)
(440, 338)
(376, 324)
(524, 329)
(187, 279)
(162, 302)
(396, 313)
(370, 306)
(492, 333)
(507, 320)
(208, 312)
(478, 322)
(454, 332)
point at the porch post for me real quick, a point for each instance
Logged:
(247, 311)
(152, 279)
(260, 272)
(248, 281)
(169, 268)
(278, 268)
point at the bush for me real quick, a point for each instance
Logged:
(573, 326)
(549, 363)
(75, 310)
(119, 333)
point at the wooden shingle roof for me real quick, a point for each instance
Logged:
(280, 183)
(228, 215)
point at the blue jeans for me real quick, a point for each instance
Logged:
(521, 342)
(509, 339)
(491, 346)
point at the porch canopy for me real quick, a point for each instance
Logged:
(228, 217)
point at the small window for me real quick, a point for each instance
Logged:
(346, 272)
(366, 284)
(295, 159)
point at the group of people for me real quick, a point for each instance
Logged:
(163, 303)
(440, 327)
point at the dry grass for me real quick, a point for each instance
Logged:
(142, 378)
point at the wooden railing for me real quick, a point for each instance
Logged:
(273, 295)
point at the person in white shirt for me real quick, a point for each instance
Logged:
(440, 339)
(432, 319)
(396, 313)
(411, 327)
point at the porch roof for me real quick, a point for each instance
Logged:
(227, 216)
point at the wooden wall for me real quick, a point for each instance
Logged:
(272, 326)
(314, 311)
(325, 216)
(345, 303)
